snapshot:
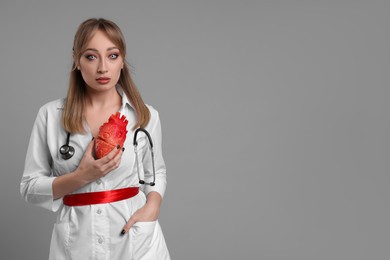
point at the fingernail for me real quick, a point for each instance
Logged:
(123, 149)
(118, 146)
(123, 232)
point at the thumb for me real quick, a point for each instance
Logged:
(128, 225)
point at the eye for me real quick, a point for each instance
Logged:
(113, 56)
(90, 57)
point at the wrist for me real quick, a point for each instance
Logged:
(80, 178)
(153, 199)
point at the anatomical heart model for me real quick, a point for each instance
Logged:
(111, 134)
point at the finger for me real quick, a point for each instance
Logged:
(128, 225)
(110, 155)
(112, 164)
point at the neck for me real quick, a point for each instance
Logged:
(102, 99)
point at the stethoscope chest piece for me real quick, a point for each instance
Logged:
(66, 150)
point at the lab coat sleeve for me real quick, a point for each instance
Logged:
(36, 183)
(160, 169)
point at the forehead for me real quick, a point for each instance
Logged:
(100, 41)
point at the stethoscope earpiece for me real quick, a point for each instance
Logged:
(150, 183)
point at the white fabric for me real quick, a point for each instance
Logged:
(93, 231)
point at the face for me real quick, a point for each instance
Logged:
(100, 63)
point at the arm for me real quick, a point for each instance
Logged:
(36, 183)
(88, 171)
(154, 194)
(149, 212)
(159, 164)
(39, 187)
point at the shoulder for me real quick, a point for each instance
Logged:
(154, 120)
(51, 109)
(54, 105)
(153, 111)
(49, 115)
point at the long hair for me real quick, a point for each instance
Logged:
(73, 114)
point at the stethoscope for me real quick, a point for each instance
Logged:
(67, 151)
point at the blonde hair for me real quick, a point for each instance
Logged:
(73, 113)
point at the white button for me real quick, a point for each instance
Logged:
(100, 240)
(99, 211)
(98, 181)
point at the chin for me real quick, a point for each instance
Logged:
(101, 87)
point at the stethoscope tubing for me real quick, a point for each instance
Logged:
(135, 144)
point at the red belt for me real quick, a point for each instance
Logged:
(99, 197)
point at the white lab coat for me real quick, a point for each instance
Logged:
(93, 231)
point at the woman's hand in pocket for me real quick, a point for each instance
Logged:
(149, 212)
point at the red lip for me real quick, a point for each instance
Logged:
(103, 80)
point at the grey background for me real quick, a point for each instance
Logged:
(274, 115)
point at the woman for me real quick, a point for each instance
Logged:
(96, 223)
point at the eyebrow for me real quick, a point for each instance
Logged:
(95, 50)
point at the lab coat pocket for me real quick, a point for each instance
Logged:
(59, 241)
(143, 236)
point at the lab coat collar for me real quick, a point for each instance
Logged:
(125, 100)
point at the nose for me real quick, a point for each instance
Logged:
(102, 67)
